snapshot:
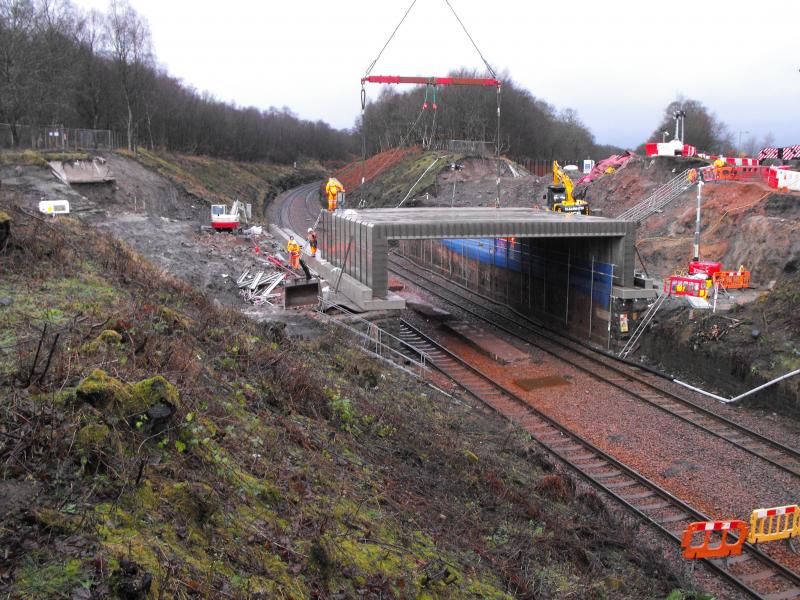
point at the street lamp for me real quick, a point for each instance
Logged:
(664, 135)
(739, 147)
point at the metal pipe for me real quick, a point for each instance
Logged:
(416, 182)
(740, 396)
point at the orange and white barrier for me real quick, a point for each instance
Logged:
(713, 545)
(770, 524)
(732, 280)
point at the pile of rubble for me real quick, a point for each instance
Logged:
(259, 287)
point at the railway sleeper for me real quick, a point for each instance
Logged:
(790, 594)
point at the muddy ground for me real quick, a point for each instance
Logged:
(163, 222)
(474, 184)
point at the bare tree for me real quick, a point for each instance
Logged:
(131, 50)
(17, 22)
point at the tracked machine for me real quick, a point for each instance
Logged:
(559, 194)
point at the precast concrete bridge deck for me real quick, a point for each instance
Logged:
(357, 241)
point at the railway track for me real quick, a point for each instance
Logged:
(752, 571)
(300, 208)
(635, 382)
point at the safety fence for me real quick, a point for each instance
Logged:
(715, 539)
(377, 342)
(542, 167)
(563, 289)
(466, 147)
(38, 137)
(776, 177)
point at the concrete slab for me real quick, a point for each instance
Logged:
(487, 343)
(82, 171)
(428, 310)
(633, 293)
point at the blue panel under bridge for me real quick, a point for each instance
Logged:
(562, 282)
(590, 277)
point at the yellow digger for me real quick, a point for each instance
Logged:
(559, 194)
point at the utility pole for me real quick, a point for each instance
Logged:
(697, 222)
(680, 126)
(739, 147)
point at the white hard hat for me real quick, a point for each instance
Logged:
(310, 230)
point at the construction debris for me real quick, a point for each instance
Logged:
(259, 288)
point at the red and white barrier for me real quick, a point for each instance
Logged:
(673, 148)
(742, 162)
(786, 180)
(786, 153)
(771, 512)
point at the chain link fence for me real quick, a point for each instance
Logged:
(39, 137)
(466, 147)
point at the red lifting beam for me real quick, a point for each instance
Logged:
(431, 80)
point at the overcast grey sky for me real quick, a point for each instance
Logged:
(617, 63)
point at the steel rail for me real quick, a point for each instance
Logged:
(754, 443)
(615, 478)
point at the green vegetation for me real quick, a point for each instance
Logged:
(179, 448)
(393, 185)
(37, 158)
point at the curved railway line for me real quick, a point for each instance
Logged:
(300, 208)
(752, 571)
(635, 382)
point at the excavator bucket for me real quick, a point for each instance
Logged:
(300, 292)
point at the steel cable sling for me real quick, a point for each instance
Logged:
(428, 81)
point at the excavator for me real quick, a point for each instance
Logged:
(559, 194)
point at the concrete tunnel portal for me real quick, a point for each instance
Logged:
(567, 268)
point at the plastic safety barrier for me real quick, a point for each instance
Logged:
(732, 280)
(672, 148)
(677, 285)
(770, 524)
(787, 180)
(710, 546)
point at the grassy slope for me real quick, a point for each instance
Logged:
(290, 469)
(392, 185)
(222, 181)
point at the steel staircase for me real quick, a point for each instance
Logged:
(646, 320)
(658, 199)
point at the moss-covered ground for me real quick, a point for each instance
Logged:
(154, 445)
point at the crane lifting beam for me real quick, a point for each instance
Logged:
(487, 82)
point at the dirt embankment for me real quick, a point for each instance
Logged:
(159, 212)
(747, 224)
(453, 180)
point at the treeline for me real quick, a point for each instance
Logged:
(529, 127)
(62, 66)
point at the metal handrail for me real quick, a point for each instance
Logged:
(377, 336)
(658, 199)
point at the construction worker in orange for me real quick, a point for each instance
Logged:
(312, 242)
(293, 248)
(332, 189)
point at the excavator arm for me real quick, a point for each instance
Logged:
(560, 177)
